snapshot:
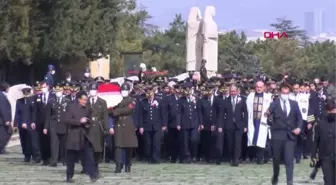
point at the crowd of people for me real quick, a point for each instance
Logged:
(232, 118)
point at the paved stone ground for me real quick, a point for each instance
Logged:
(14, 172)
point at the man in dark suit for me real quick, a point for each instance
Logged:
(286, 125)
(78, 117)
(5, 117)
(234, 123)
(43, 100)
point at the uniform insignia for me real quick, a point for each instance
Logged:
(304, 110)
(46, 78)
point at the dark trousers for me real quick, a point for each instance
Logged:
(123, 155)
(140, 151)
(206, 145)
(152, 144)
(219, 144)
(308, 142)
(244, 153)
(44, 141)
(89, 163)
(285, 149)
(109, 148)
(189, 143)
(58, 150)
(234, 138)
(173, 143)
(5, 136)
(328, 169)
(30, 143)
(97, 158)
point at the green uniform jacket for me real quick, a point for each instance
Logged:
(99, 123)
(124, 129)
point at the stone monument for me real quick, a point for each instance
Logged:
(194, 40)
(100, 67)
(210, 40)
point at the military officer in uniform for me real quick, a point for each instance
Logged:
(99, 120)
(73, 89)
(24, 119)
(152, 121)
(189, 125)
(87, 75)
(56, 126)
(203, 71)
(49, 77)
(124, 130)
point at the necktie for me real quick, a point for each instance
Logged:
(233, 104)
(92, 101)
(284, 107)
(59, 100)
(44, 99)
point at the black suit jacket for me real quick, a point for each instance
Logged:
(5, 110)
(283, 125)
(234, 119)
(41, 109)
(208, 112)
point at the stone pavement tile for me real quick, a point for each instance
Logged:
(15, 172)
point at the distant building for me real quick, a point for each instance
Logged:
(319, 22)
(309, 23)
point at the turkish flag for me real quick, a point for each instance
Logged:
(110, 93)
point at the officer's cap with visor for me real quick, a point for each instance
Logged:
(93, 86)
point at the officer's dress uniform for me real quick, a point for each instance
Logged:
(173, 120)
(57, 128)
(140, 150)
(189, 111)
(125, 136)
(324, 146)
(208, 118)
(152, 119)
(100, 125)
(24, 113)
(43, 101)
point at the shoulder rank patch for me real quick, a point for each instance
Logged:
(132, 105)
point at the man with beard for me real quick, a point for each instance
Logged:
(79, 142)
(24, 119)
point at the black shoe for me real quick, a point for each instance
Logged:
(45, 163)
(235, 163)
(94, 179)
(26, 159)
(290, 183)
(70, 181)
(118, 168)
(127, 168)
(313, 173)
(53, 165)
(274, 181)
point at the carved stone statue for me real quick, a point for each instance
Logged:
(210, 36)
(194, 39)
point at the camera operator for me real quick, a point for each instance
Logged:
(324, 143)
